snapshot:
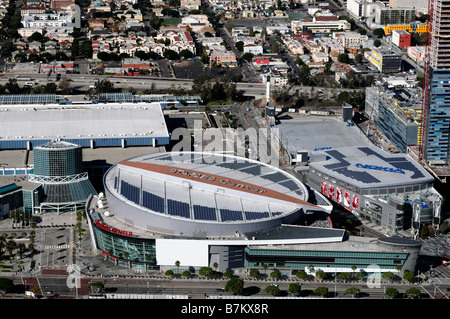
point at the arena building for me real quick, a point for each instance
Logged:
(389, 190)
(205, 209)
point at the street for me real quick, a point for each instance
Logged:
(57, 286)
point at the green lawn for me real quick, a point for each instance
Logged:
(171, 21)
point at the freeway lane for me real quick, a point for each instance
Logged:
(84, 82)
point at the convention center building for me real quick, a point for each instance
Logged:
(190, 210)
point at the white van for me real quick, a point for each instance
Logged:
(29, 83)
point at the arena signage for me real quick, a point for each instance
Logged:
(214, 179)
(113, 230)
(381, 168)
(192, 174)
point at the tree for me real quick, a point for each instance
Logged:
(247, 56)
(358, 58)
(388, 275)
(97, 286)
(321, 291)
(408, 275)
(171, 55)
(86, 49)
(294, 289)
(104, 86)
(235, 285)
(205, 271)
(64, 85)
(169, 272)
(302, 274)
(218, 91)
(10, 247)
(344, 275)
(321, 274)
(379, 32)
(304, 75)
(391, 292)
(186, 273)
(344, 58)
(104, 56)
(36, 36)
(275, 48)
(186, 54)
(254, 273)
(12, 87)
(412, 293)
(352, 291)
(240, 46)
(273, 290)
(377, 43)
(22, 248)
(6, 285)
(275, 274)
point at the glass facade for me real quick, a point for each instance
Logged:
(131, 252)
(438, 117)
(299, 259)
(49, 161)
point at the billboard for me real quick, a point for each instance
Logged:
(323, 188)
(339, 195)
(346, 199)
(331, 191)
(355, 202)
(377, 59)
(262, 61)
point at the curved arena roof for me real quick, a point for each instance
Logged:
(204, 194)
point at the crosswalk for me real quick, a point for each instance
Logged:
(52, 247)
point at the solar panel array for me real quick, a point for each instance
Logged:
(397, 162)
(182, 209)
(256, 215)
(230, 215)
(130, 192)
(177, 208)
(342, 168)
(204, 213)
(197, 204)
(29, 98)
(153, 202)
(128, 97)
(237, 168)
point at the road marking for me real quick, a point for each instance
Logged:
(56, 246)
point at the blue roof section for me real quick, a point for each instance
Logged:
(367, 167)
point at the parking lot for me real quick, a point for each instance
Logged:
(315, 132)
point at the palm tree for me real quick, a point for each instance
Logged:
(354, 269)
(265, 267)
(22, 248)
(177, 264)
(126, 255)
(399, 268)
(2, 243)
(10, 246)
